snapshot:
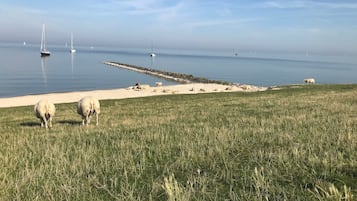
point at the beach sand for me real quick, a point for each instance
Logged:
(130, 92)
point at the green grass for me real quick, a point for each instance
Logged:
(298, 143)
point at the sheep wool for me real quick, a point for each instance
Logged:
(309, 80)
(45, 110)
(87, 107)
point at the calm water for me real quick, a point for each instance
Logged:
(24, 72)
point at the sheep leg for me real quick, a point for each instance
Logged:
(45, 121)
(87, 119)
(50, 122)
(96, 115)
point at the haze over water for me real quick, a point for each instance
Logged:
(25, 72)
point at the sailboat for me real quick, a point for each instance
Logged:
(44, 52)
(72, 48)
(152, 54)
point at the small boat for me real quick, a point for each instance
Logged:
(72, 48)
(44, 52)
(152, 54)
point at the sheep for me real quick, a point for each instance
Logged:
(45, 110)
(246, 87)
(158, 84)
(87, 107)
(139, 86)
(309, 80)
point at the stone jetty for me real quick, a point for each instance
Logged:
(177, 77)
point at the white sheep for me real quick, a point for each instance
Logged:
(245, 87)
(87, 107)
(45, 110)
(309, 80)
(158, 84)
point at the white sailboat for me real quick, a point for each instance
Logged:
(72, 48)
(152, 54)
(44, 52)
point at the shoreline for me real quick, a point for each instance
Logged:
(130, 92)
(188, 85)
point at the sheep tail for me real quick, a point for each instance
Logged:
(47, 113)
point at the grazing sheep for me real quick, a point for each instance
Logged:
(309, 80)
(45, 110)
(246, 87)
(158, 84)
(139, 86)
(87, 107)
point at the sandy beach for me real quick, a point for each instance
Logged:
(130, 92)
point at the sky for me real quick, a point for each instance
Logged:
(272, 25)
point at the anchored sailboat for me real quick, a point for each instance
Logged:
(44, 52)
(72, 48)
(152, 54)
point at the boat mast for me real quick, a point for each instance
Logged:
(71, 40)
(43, 44)
(72, 50)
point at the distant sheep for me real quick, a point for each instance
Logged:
(45, 110)
(87, 107)
(309, 80)
(246, 87)
(158, 84)
(139, 86)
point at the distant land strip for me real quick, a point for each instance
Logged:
(177, 77)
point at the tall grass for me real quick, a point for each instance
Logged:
(298, 143)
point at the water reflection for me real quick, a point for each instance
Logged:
(44, 70)
(72, 63)
(152, 62)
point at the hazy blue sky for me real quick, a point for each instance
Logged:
(304, 25)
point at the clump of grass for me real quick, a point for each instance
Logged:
(298, 143)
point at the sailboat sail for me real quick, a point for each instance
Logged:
(44, 52)
(72, 48)
(152, 54)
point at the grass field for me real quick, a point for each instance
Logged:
(297, 143)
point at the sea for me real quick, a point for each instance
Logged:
(25, 72)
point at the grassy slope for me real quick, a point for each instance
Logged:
(294, 144)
